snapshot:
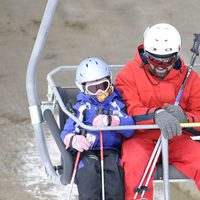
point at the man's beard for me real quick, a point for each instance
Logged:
(154, 72)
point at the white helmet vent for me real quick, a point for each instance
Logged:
(168, 49)
(153, 49)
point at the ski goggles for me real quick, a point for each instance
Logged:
(93, 88)
(163, 61)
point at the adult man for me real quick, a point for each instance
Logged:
(149, 85)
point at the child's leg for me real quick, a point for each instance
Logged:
(88, 177)
(114, 185)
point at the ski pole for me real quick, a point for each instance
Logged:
(152, 168)
(83, 132)
(141, 188)
(102, 165)
(102, 159)
(74, 174)
(195, 49)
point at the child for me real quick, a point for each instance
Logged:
(98, 104)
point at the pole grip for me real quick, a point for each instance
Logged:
(196, 45)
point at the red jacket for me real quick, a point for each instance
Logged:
(144, 93)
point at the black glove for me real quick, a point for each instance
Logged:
(177, 112)
(168, 124)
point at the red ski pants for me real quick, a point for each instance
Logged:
(184, 154)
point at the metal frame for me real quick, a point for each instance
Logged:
(36, 109)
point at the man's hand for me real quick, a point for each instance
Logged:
(177, 112)
(168, 124)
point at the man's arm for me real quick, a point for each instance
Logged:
(126, 84)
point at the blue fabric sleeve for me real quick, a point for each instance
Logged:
(69, 125)
(68, 128)
(126, 120)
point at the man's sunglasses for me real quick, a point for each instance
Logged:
(163, 61)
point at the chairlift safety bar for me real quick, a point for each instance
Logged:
(52, 85)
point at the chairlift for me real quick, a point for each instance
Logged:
(42, 114)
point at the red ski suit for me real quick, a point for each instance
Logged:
(143, 94)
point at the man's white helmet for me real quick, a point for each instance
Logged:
(162, 39)
(91, 69)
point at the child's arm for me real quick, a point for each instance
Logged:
(115, 119)
(124, 118)
(71, 138)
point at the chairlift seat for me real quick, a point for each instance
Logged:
(69, 95)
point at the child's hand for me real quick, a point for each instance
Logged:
(78, 142)
(115, 120)
(105, 120)
(100, 120)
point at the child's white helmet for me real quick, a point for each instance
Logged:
(91, 69)
(162, 39)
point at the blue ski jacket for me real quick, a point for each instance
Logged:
(87, 108)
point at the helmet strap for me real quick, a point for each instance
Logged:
(80, 86)
(177, 64)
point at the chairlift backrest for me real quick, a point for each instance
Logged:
(68, 95)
